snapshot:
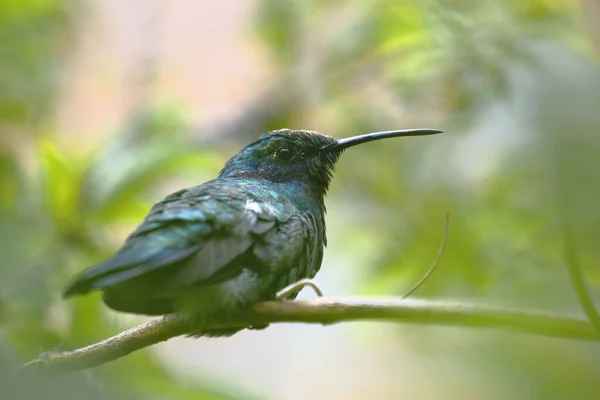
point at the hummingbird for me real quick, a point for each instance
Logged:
(255, 233)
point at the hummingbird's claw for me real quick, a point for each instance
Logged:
(296, 287)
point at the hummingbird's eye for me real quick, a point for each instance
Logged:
(285, 154)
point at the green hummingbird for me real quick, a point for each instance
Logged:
(213, 249)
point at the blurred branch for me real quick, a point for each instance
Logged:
(578, 281)
(323, 311)
(571, 258)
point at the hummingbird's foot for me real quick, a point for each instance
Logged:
(293, 289)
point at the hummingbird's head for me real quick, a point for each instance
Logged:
(298, 155)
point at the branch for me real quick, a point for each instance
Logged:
(323, 311)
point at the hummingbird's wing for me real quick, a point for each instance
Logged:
(214, 223)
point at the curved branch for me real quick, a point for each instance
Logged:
(578, 280)
(323, 311)
(433, 266)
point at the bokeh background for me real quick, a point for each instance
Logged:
(106, 106)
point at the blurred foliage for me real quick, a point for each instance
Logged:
(34, 37)
(514, 83)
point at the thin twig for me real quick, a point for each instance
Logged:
(435, 262)
(324, 311)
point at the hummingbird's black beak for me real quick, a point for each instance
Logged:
(343, 144)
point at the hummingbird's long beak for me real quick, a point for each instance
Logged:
(367, 137)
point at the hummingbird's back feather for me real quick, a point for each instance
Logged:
(194, 237)
(138, 258)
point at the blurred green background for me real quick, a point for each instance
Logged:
(108, 106)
